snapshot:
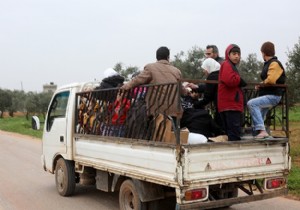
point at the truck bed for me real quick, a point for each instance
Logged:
(202, 164)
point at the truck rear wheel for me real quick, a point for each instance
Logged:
(128, 197)
(65, 177)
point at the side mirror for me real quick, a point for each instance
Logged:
(35, 123)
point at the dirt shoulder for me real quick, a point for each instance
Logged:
(19, 135)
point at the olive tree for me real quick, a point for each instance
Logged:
(44, 100)
(251, 68)
(190, 63)
(18, 102)
(31, 104)
(5, 101)
(126, 72)
(293, 73)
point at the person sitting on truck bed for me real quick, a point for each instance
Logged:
(111, 79)
(106, 99)
(117, 113)
(136, 121)
(272, 73)
(94, 116)
(198, 120)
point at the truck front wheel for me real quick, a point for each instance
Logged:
(65, 177)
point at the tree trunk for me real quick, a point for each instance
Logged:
(11, 113)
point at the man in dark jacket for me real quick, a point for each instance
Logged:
(212, 51)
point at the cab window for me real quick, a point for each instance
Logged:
(58, 108)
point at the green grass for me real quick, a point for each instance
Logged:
(19, 125)
(293, 178)
(294, 181)
(295, 151)
(294, 114)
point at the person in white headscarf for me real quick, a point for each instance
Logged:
(211, 69)
(210, 65)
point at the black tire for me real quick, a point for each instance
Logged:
(128, 197)
(65, 177)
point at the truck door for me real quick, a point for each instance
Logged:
(55, 132)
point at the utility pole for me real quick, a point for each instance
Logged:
(22, 86)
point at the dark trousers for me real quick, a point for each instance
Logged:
(217, 119)
(231, 122)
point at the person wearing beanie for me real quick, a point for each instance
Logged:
(269, 96)
(230, 95)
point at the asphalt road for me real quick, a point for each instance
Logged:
(24, 185)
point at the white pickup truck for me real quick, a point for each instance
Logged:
(80, 146)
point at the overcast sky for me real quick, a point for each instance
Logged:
(65, 41)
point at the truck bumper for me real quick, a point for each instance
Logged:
(232, 201)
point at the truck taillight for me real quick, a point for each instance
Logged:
(274, 183)
(196, 194)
